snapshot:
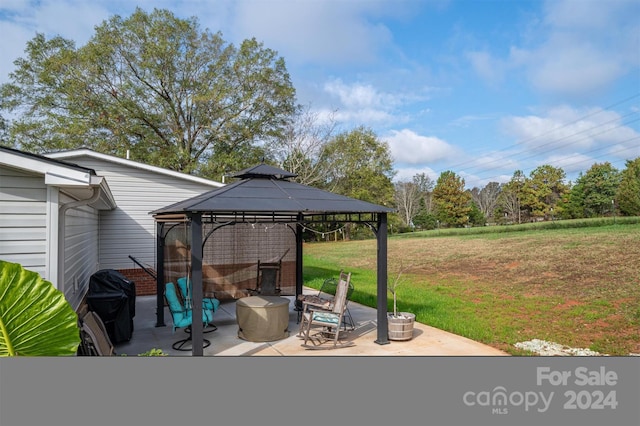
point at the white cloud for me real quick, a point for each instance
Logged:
(589, 44)
(467, 120)
(406, 174)
(14, 6)
(494, 161)
(410, 148)
(366, 105)
(70, 19)
(12, 44)
(20, 21)
(628, 149)
(578, 48)
(489, 68)
(474, 181)
(588, 15)
(570, 66)
(565, 129)
(571, 163)
(359, 95)
(318, 32)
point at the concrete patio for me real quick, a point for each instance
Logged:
(426, 341)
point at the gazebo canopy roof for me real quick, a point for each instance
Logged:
(267, 190)
(265, 193)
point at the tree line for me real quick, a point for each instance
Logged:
(544, 195)
(180, 97)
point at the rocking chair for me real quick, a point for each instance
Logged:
(324, 298)
(328, 319)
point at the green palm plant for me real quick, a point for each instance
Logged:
(35, 317)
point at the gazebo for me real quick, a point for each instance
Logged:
(265, 195)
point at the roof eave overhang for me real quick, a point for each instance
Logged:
(82, 192)
(76, 181)
(67, 155)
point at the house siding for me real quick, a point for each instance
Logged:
(27, 223)
(130, 229)
(80, 250)
(23, 220)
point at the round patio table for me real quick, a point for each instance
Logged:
(263, 318)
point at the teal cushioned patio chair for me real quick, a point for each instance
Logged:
(209, 304)
(182, 318)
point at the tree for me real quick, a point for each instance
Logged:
(424, 219)
(176, 96)
(4, 136)
(452, 202)
(598, 186)
(573, 203)
(361, 167)
(414, 202)
(408, 197)
(299, 149)
(509, 201)
(486, 199)
(425, 185)
(543, 189)
(476, 216)
(628, 195)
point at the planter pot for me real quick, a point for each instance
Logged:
(401, 326)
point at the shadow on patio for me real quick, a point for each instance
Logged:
(426, 341)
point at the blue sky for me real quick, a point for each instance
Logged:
(482, 87)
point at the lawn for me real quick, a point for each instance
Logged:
(576, 286)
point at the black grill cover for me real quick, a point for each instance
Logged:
(113, 298)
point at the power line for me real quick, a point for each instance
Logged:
(571, 137)
(537, 154)
(565, 165)
(533, 138)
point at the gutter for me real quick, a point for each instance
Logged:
(62, 235)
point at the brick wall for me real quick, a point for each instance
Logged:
(145, 283)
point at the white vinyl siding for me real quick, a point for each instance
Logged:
(80, 249)
(23, 219)
(130, 229)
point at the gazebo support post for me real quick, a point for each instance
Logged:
(299, 231)
(383, 331)
(197, 340)
(159, 275)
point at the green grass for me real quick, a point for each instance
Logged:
(438, 306)
(576, 285)
(496, 230)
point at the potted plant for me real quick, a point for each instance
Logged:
(400, 324)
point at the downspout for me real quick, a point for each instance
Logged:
(61, 231)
